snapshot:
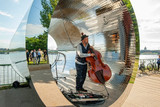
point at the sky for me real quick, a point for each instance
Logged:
(148, 18)
(147, 13)
(11, 15)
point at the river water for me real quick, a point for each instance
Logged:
(12, 65)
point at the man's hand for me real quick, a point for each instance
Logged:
(91, 47)
(92, 54)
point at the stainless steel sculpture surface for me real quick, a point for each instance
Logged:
(109, 26)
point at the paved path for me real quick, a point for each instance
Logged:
(123, 97)
(145, 92)
(20, 97)
(47, 89)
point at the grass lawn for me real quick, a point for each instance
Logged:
(5, 87)
(9, 86)
(135, 69)
(41, 62)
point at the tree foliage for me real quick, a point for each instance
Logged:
(37, 42)
(40, 41)
(134, 20)
(47, 11)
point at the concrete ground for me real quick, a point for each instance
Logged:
(115, 86)
(145, 92)
(120, 101)
(20, 97)
(47, 88)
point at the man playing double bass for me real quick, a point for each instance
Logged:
(80, 62)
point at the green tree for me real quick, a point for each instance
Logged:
(47, 11)
(45, 17)
(42, 41)
(37, 42)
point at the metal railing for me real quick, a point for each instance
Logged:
(8, 75)
(54, 64)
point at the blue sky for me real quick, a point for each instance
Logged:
(11, 14)
(147, 13)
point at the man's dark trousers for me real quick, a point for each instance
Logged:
(81, 75)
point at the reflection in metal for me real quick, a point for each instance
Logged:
(9, 75)
(110, 30)
(13, 66)
(69, 42)
(41, 75)
(17, 68)
(54, 64)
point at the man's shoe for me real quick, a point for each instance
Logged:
(78, 90)
(83, 90)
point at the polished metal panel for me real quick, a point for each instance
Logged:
(60, 30)
(17, 50)
(110, 30)
(14, 66)
(90, 17)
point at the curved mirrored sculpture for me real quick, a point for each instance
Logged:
(109, 27)
(110, 31)
(37, 59)
(15, 82)
(35, 32)
(17, 51)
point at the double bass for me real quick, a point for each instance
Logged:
(98, 71)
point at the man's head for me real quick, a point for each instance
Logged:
(84, 39)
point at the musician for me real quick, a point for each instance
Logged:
(80, 62)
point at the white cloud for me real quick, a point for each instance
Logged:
(148, 18)
(4, 43)
(24, 21)
(6, 14)
(152, 25)
(23, 27)
(16, 1)
(17, 33)
(7, 30)
(34, 30)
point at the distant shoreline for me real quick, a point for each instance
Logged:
(149, 52)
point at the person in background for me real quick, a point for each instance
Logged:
(158, 62)
(30, 55)
(27, 55)
(45, 55)
(39, 56)
(34, 56)
(41, 52)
